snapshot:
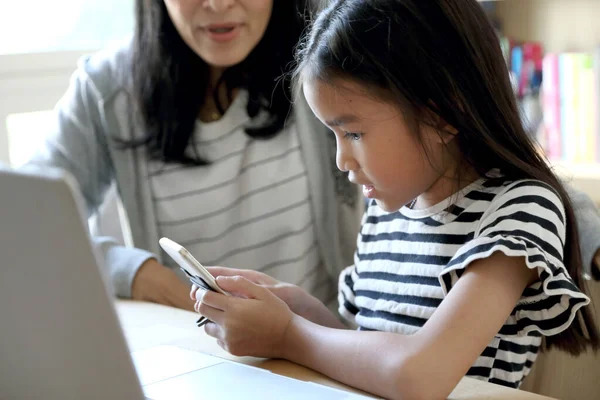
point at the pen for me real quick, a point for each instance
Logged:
(202, 321)
(196, 280)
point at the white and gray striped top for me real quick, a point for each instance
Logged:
(249, 208)
(408, 260)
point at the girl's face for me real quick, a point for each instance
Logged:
(375, 145)
(221, 32)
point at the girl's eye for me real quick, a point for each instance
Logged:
(352, 136)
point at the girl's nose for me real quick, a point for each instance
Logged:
(344, 160)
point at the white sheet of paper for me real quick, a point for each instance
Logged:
(171, 372)
(162, 362)
(228, 381)
(138, 338)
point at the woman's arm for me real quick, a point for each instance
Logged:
(78, 145)
(386, 364)
(156, 283)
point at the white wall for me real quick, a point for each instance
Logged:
(35, 82)
(32, 82)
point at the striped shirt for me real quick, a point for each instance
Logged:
(249, 208)
(407, 261)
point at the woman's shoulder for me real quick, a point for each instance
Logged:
(107, 71)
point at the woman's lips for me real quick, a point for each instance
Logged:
(222, 32)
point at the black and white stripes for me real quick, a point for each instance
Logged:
(249, 208)
(408, 260)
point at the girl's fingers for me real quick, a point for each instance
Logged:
(253, 276)
(223, 271)
(197, 306)
(198, 294)
(246, 273)
(214, 299)
(215, 331)
(209, 312)
(242, 287)
(193, 291)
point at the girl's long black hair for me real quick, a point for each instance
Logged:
(443, 58)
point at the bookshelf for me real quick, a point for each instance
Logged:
(561, 26)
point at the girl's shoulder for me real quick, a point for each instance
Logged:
(517, 202)
(523, 191)
(499, 189)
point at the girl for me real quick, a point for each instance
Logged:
(468, 258)
(192, 123)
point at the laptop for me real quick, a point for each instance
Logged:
(60, 337)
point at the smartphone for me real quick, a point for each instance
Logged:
(197, 274)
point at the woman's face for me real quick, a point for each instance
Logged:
(221, 32)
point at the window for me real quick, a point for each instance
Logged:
(36, 26)
(46, 40)
(26, 132)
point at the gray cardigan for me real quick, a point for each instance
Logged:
(97, 107)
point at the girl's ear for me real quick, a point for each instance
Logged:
(445, 132)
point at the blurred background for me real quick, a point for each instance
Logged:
(552, 48)
(40, 43)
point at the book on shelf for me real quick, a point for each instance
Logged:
(571, 105)
(586, 111)
(566, 88)
(551, 106)
(568, 76)
(597, 100)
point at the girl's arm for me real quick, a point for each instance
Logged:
(426, 365)
(429, 364)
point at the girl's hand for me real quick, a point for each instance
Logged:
(251, 322)
(253, 276)
(298, 300)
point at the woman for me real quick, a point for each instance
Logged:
(193, 123)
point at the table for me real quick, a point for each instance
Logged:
(146, 325)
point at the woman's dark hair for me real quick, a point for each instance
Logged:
(443, 58)
(170, 80)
